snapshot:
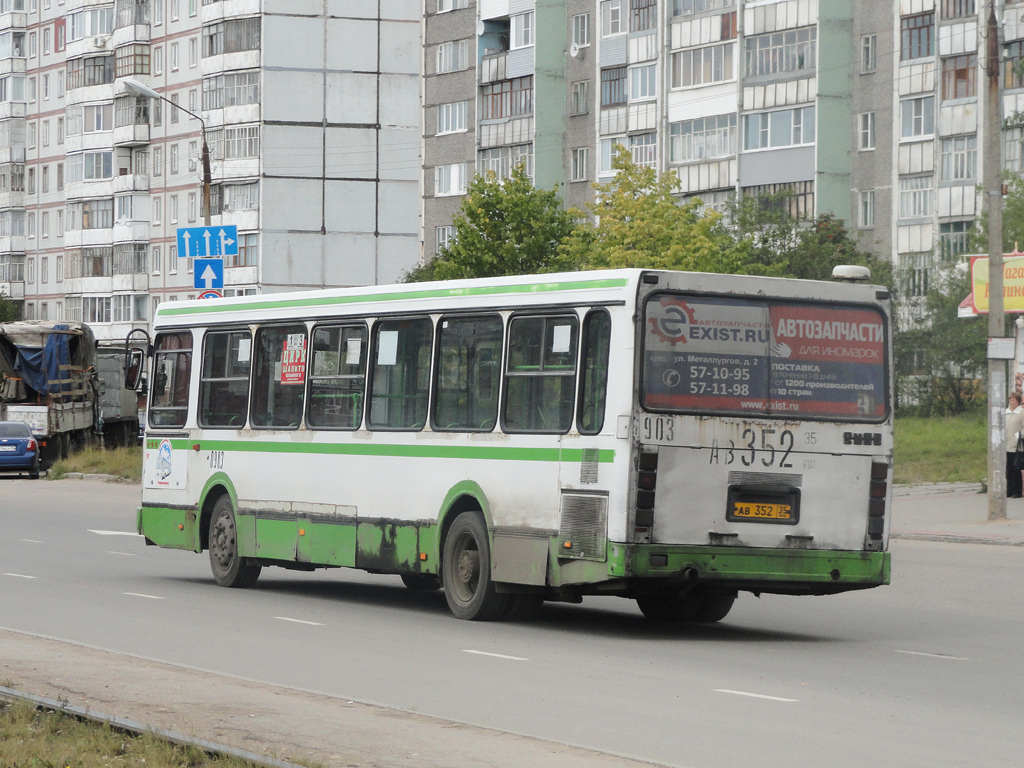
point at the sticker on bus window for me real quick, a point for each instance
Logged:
(244, 350)
(293, 359)
(387, 347)
(353, 351)
(561, 341)
(764, 357)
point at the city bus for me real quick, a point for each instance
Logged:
(667, 437)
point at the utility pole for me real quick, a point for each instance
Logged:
(993, 186)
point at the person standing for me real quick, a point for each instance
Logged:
(1014, 426)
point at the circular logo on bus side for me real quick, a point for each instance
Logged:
(670, 326)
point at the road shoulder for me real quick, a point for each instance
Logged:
(282, 723)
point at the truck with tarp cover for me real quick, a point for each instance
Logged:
(48, 380)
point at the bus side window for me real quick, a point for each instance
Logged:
(541, 374)
(224, 383)
(337, 377)
(172, 368)
(466, 391)
(597, 331)
(401, 374)
(279, 376)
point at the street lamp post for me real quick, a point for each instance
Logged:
(135, 88)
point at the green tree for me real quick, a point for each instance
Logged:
(1013, 219)
(637, 222)
(8, 309)
(783, 245)
(940, 357)
(504, 227)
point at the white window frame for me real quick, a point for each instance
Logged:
(917, 197)
(451, 117)
(452, 56)
(522, 31)
(450, 180)
(921, 118)
(614, 18)
(866, 208)
(581, 30)
(866, 130)
(643, 82)
(958, 158)
(580, 161)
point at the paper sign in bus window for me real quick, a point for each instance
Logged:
(293, 359)
(561, 341)
(353, 349)
(387, 348)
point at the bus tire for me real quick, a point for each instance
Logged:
(229, 570)
(421, 582)
(467, 571)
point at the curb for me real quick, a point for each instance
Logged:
(955, 538)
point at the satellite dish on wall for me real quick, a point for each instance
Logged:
(480, 28)
(574, 50)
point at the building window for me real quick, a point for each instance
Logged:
(613, 86)
(502, 160)
(959, 158)
(522, 30)
(643, 15)
(960, 77)
(866, 208)
(451, 118)
(958, 9)
(131, 60)
(248, 251)
(795, 199)
(702, 139)
(449, 5)
(581, 29)
(230, 89)
(868, 53)
(95, 70)
(231, 36)
(643, 148)
(508, 98)
(792, 50)
(783, 128)
(443, 237)
(579, 101)
(690, 7)
(867, 130)
(1013, 64)
(452, 56)
(1013, 139)
(450, 180)
(174, 160)
(580, 158)
(701, 66)
(917, 36)
(609, 151)
(612, 17)
(916, 196)
(643, 82)
(915, 269)
(917, 117)
(953, 239)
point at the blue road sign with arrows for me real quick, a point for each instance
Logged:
(208, 274)
(204, 242)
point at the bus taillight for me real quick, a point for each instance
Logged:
(876, 504)
(646, 481)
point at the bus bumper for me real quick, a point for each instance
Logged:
(800, 572)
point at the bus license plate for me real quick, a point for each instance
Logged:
(747, 510)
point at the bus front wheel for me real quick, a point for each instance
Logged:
(697, 607)
(467, 571)
(229, 569)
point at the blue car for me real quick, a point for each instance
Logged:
(19, 451)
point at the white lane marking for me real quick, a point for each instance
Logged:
(20, 576)
(300, 621)
(935, 655)
(139, 594)
(113, 533)
(752, 695)
(495, 655)
(126, 554)
(31, 541)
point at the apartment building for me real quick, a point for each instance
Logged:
(312, 128)
(866, 111)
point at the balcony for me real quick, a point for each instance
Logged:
(13, 20)
(10, 154)
(13, 290)
(131, 182)
(12, 244)
(226, 9)
(134, 33)
(493, 67)
(9, 109)
(13, 66)
(131, 135)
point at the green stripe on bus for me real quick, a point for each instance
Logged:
(435, 293)
(495, 453)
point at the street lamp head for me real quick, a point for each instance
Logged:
(135, 88)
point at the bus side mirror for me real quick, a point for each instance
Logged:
(134, 365)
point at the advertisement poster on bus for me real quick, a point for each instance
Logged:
(293, 359)
(764, 357)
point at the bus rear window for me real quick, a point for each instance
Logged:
(764, 357)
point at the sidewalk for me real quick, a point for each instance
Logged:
(953, 512)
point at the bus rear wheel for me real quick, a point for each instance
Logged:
(467, 571)
(229, 569)
(695, 607)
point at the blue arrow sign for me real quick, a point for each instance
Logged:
(208, 274)
(204, 242)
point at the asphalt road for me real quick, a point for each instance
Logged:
(925, 672)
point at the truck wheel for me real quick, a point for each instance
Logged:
(229, 570)
(467, 571)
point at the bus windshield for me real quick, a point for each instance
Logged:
(764, 357)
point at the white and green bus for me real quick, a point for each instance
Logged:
(673, 438)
